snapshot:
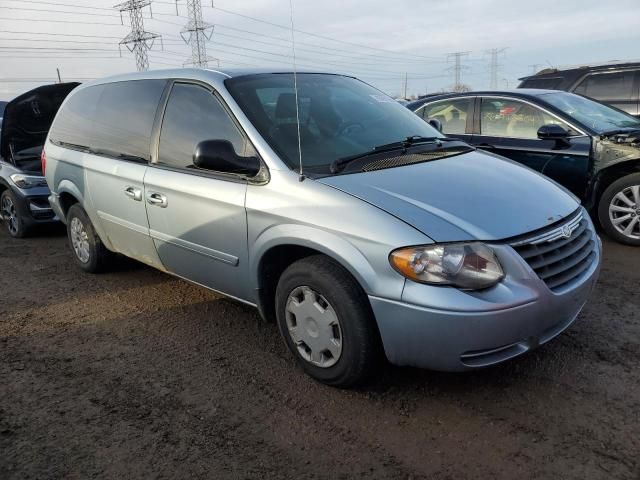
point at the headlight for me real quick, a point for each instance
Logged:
(469, 266)
(28, 181)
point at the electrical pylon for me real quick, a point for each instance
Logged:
(138, 41)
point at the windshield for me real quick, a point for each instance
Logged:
(339, 116)
(594, 115)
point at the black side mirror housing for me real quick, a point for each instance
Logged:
(220, 156)
(552, 131)
(435, 123)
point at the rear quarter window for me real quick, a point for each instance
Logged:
(542, 83)
(113, 118)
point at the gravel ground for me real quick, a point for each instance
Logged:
(136, 374)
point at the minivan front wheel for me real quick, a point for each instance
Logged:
(326, 321)
(88, 250)
(619, 210)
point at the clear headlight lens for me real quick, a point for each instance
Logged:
(28, 181)
(469, 266)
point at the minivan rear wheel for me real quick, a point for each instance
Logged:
(326, 321)
(619, 210)
(88, 250)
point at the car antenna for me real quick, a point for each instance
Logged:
(295, 89)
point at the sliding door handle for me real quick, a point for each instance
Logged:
(157, 199)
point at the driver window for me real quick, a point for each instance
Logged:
(514, 119)
(451, 113)
(194, 114)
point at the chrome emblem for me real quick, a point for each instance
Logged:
(566, 231)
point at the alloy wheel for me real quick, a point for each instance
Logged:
(624, 212)
(314, 327)
(10, 215)
(80, 240)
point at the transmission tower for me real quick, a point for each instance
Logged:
(457, 68)
(138, 41)
(494, 66)
(196, 33)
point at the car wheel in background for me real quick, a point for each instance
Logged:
(88, 250)
(326, 321)
(10, 216)
(619, 210)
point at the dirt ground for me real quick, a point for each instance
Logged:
(136, 374)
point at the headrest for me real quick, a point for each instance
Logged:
(286, 106)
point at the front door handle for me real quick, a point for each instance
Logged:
(133, 193)
(157, 199)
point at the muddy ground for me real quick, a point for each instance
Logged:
(135, 374)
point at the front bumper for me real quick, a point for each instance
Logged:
(447, 329)
(33, 206)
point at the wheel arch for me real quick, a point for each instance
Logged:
(69, 194)
(280, 246)
(607, 176)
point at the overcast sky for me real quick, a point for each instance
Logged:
(377, 40)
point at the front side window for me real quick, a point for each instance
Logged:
(194, 114)
(608, 86)
(594, 115)
(452, 114)
(512, 118)
(339, 116)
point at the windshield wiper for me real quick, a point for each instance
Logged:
(340, 163)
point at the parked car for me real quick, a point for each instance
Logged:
(617, 84)
(590, 148)
(24, 195)
(2, 106)
(377, 232)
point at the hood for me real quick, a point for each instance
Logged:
(473, 196)
(27, 118)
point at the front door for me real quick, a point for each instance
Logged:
(196, 217)
(509, 127)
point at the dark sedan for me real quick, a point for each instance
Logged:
(590, 148)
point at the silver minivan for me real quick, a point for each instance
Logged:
(356, 226)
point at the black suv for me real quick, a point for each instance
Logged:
(616, 85)
(590, 148)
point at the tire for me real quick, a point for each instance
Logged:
(10, 215)
(623, 196)
(332, 293)
(88, 250)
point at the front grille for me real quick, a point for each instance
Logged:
(560, 254)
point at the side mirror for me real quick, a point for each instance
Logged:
(552, 131)
(220, 156)
(435, 123)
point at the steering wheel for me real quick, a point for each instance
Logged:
(349, 128)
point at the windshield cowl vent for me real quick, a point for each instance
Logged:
(412, 158)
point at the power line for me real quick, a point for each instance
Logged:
(46, 10)
(231, 12)
(48, 20)
(62, 5)
(58, 34)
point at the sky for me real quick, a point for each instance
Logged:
(380, 41)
